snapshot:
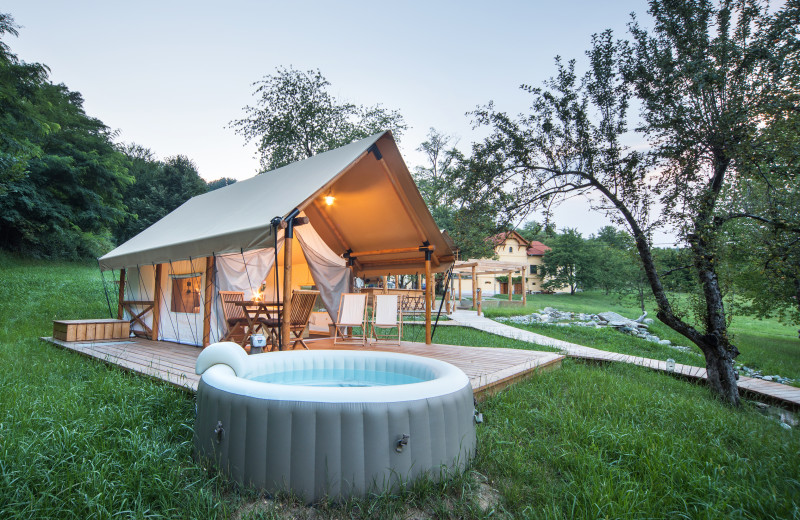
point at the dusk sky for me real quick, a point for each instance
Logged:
(170, 76)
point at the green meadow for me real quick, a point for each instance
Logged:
(82, 440)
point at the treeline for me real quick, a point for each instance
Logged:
(67, 190)
(605, 261)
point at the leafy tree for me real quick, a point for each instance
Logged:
(468, 225)
(568, 263)
(220, 183)
(616, 238)
(704, 77)
(159, 188)
(296, 117)
(764, 223)
(70, 194)
(470, 229)
(533, 230)
(433, 178)
(22, 123)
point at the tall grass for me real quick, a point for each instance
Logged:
(622, 442)
(79, 439)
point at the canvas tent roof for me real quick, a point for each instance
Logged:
(377, 208)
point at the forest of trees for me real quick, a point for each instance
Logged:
(67, 189)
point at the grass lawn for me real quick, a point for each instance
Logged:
(765, 345)
(81, 440)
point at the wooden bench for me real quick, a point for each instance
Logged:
(90, 330)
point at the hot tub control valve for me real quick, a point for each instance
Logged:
(402, 441)
(219, 431)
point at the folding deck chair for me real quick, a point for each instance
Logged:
(352, 313)
(234, 317)
(302, 305)
(385, 316)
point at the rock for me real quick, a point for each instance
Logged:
(647, 321)
(665, 342)
(612, 316)
(617, 324)
(767, 378)
(785, 426)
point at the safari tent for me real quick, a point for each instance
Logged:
(351, 212)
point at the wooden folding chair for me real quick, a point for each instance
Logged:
(352, 313)
(302, 305)
(234, 317)
(385, 316)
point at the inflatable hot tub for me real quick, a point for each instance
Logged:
(335, 423)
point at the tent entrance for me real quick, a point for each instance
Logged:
(181, 312)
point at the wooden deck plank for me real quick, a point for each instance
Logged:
(487, 368)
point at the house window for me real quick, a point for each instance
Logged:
(533, 269)
(510, 249)
(186, 293)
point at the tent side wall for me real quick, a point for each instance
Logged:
(181, 305)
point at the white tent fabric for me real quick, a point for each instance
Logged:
(236, 217)
(244, 271)
(377, 208)
(331, 274)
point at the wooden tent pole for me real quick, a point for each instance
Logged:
(385, 284)
(459, 287)
(524, 285)
(120, 309)
(474, 287)
(209, 296)
(287, 288)
(428, 302)
(156, 304)
(510, 284)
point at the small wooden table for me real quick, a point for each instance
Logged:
(258, 313)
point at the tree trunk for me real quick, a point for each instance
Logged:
(797, 296)
(719, 369)
(717, 349)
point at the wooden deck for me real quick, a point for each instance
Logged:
(489, 369)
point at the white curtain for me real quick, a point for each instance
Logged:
(331, 274)
(241, 272)
(245, 271)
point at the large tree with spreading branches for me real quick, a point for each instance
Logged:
(706, 77)
(296, 117)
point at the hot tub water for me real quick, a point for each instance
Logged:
(338, 377)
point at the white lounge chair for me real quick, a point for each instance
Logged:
(385, 315)
(352, 313)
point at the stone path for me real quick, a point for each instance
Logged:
(784, 393)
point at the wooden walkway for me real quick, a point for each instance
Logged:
(489, 369)
(781, 394)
